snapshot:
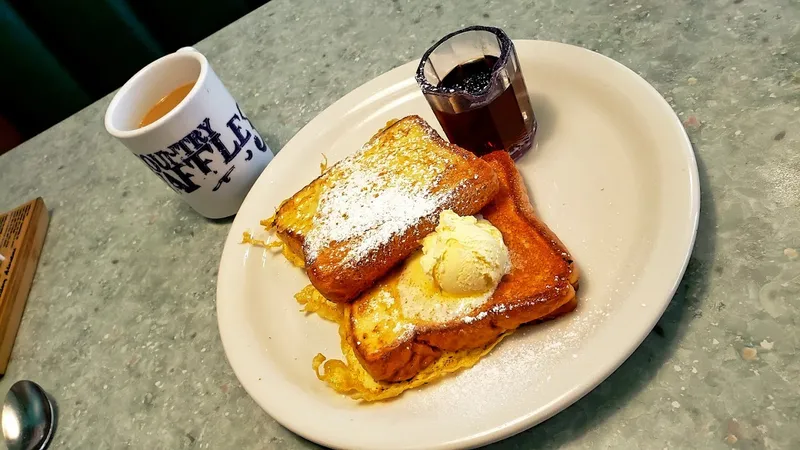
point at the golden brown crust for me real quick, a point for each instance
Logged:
(400, 363)
(473, 184)
(540, 286)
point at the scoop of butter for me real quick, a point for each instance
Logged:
(465, 255)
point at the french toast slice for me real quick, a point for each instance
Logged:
(368, 212)
(395, 337)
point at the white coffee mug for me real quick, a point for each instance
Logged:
(205, 148)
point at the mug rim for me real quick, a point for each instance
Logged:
(126, 88)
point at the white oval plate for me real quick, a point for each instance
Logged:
(613, 175)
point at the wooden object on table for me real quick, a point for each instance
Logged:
(22, 232)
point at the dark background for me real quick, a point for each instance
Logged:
(59, 56)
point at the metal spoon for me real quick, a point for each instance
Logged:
(29, 417)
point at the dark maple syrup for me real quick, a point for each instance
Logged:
(498, 125)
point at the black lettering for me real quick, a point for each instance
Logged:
(222, 149)
(166, 157)
(237, 130)
(196, 138)
(176, 185)
(147, 159)
(186, 178)
(196, 160)
(260, 144)
(163, 163)
(205, 125)
(180, 145)
(242, 139)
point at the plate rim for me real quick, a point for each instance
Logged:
(364, 94)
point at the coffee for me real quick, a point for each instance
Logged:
(166, 104)
(199, 141)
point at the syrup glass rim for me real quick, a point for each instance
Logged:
(506, 46)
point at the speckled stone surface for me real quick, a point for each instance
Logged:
(121, 327)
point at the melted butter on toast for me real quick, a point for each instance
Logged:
(407, 299)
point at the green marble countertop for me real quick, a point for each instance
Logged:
(121, 328)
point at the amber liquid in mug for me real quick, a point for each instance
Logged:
(166, 104)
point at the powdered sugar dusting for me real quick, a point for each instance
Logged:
(537, 349)
(403, 330)
(501, 308)
(480, 316)
(375, 195)
(496, 309)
